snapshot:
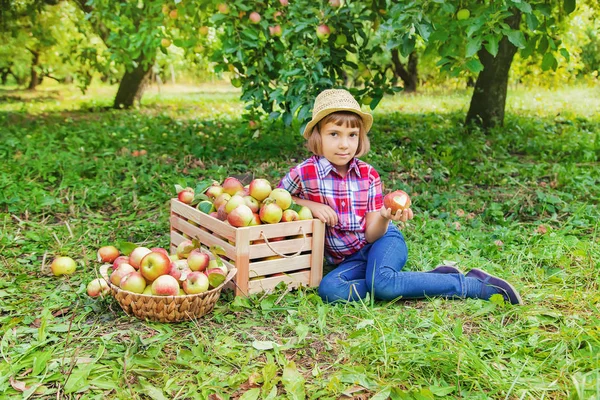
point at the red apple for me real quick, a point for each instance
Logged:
(282, 197)
(135, 258)
(260, 189)
(179, 269)
(335, 3)
(165, 285)
(155, 264)
(254, 17)
(186, 195)
(133, 282)
(198, 260)
(223, 8)
(221, 200)
(97, 287)
(160, 250)
(120, 260)
(255, 220)
(108, 254)
(305, 213)
(289, 215)
(397, 200)
(196, 282)
(120, 272)
(232, 185)
(203, 30)
(323, 32)
(63, 266)
(214, 191)
(275, 30)
(221, 213)
(184, 248)
(242, 215)
(270, 213)
(284, 2)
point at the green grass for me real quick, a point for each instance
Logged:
(520, 202)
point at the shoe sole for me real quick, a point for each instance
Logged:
(497, 282)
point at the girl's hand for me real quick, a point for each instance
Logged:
(402, 216)
(324, 213)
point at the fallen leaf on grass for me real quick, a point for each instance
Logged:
(19, 386)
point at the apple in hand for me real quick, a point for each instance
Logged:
(165, 285)
(155, 264)
(397, 201)
(108, 254)
(63, 266)
(198, 260)
(196, 282)
(97, 287)
(135, 258)
(133, 282)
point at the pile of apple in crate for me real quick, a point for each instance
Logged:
(257, 229)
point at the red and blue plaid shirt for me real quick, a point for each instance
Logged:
(351, 197)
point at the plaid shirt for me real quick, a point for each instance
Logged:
(351, 197)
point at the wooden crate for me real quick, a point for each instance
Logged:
(260, 266)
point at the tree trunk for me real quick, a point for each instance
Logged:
(34, 79)
(408, 74)
(488, 101)
(133, 84)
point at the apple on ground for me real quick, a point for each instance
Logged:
(155, 264)
(108, 254)
(135, 258)
(282, 197)
(133, 282)
(165, 285)
(120, 260)
(397, 200)
(198, 260)
(63, 266)
(120, 272)
(241, 216)
(232, 185)
(270, 213)
(196, 282)
(97, 287)
(216, 276)
(184, 249)
(186, 195)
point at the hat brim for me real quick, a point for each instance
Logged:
(366, 117)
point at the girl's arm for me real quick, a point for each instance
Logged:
(320, 211)
(377, 222)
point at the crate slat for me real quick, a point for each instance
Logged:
(268, 284)
(269, 267)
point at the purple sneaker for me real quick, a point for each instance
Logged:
(503, 287)
(445, 269)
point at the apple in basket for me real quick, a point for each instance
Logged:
(120, 272)
(135, 258)
(196, 282)
(165, 285)
(108, 254)
(155, 264)
(397, 200)
(97, 287)
(133, 282)
(216, 276)
(120, 260)
(198, 260)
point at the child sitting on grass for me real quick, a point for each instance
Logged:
(361, 239)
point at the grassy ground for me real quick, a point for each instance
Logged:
(520, 202)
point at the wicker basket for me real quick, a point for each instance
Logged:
(166, 308)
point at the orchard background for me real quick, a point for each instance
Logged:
(486, 112)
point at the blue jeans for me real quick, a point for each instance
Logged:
(377, 269)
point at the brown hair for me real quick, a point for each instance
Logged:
(340, 118)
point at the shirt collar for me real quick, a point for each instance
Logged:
(325, 167)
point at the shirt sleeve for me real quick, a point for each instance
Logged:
(292, 182)
(375, 199)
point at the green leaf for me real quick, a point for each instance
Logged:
(473, 46)
(549, 62)
(569, 6)
(263, 344)
(474, 65)
(251, 394)
(126, 247)
(293, 382)
(152, 391)
(491, 45)
(517, 38)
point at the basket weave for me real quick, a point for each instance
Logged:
(166, 308)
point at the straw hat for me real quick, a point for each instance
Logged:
(332, 100)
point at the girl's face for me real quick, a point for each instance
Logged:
(339, 144)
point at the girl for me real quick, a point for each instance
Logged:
(361, 239)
